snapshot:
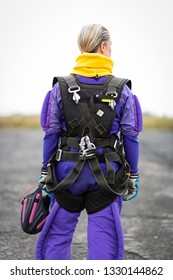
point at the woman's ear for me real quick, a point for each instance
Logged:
(103, 45)
(101, 48)
(105, 48)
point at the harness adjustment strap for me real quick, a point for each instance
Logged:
(74, 123)
(100, 129)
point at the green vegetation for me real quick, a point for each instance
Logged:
(21, 121)
(159, 123)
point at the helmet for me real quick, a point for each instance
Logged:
(35, 210)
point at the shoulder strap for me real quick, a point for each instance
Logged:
(114, 82)
(116, 85)
(73, 87)
(113, 85)
(55, 80)
(70, 80)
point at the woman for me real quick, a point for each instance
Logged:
(84, 129)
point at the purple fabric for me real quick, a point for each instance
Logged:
(105, 234)
(131, 147)
(93, 81)
(138, 114)
(128, 113)
(104, 227)
(55, 239)
(54, 242)
(85, 181)
(128, 119)
(49, 146)
(52, 119)
(45, 112)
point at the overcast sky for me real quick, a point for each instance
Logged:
(39, 41)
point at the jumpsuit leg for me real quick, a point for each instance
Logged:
(57, 244)
(105, 234)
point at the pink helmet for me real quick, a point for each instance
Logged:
(35, 210)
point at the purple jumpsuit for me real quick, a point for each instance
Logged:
(104, 233)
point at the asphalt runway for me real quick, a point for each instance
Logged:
(147, 220)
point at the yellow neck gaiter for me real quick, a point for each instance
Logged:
(93, 64)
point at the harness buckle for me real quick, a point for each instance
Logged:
(112, 104)
(59, 155)
(74, 90)
(87, 149)
(115, 144)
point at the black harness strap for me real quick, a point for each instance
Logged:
(101, 180)
(70, 179)
(117, 83)
(114, 87)
(99, 142)
(110, 176)
(89, 118)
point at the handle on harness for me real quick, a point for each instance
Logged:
(87, 149)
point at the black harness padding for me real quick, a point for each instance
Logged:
(89, 111)
(85, 114)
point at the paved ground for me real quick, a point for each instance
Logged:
(147, 220)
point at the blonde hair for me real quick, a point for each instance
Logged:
(91, 36)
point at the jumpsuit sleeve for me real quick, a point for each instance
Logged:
(130, 127)
(50, 120)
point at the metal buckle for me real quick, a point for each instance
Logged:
(74, 90)
(115, 144)
(87, 154)
(87, 149)
(112, 104)
(59, 155)
(114, 94)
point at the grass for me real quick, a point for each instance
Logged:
(21, 121)
(159, 123)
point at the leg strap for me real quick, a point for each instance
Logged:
(106, 183)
